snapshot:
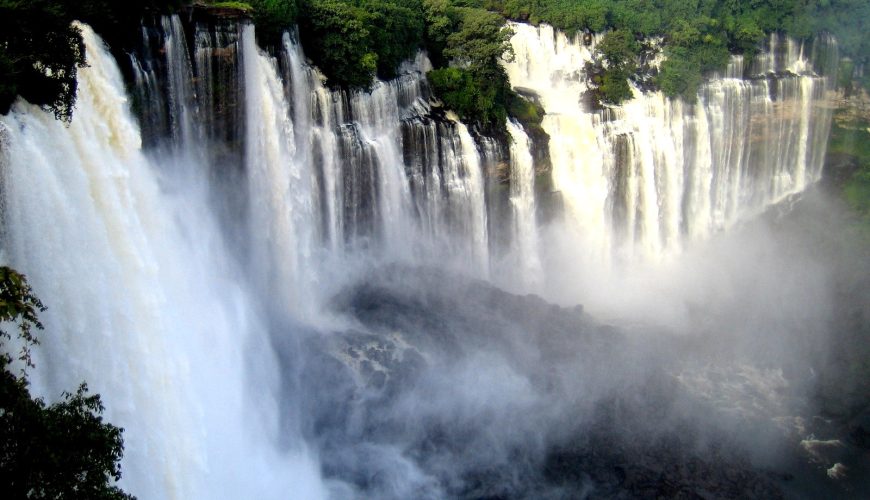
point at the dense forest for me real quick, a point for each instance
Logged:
(353, 41)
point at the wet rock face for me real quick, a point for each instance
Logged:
(486, 394)
(203, 12)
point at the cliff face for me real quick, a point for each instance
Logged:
(848, 156)
(642, 179)
(204, 12)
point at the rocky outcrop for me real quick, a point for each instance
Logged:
(201, 11)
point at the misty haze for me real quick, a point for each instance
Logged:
(631, 280)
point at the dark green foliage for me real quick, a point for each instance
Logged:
(477, 87)
(39, 55)
(746, 33)
(64, 450)
(699, 33)
(680, 74)
(614, 87)
(481, 41)
(273, 18)
(456, 87)
(474, 98)
(619, 52)
(694, 48)
(569, 15)
(40, 51)
(850, 137)
(638, 16)
(619, 49)
(18, 304)
(337, 38)
(242, 6)
(353, 40)
(527, 112)
(441, 20)
(848, 21)
(396, 30)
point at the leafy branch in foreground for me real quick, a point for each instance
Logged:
(19, 304)
(62, 450)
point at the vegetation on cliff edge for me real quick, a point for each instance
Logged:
(698, 35)
(850, 140)
(352, 41)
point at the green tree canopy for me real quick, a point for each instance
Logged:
(476, 86)
(272, 18)
(352, 41)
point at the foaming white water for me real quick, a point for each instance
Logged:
(152, 310)
(465, 189)
(144, 302)
(182, 103)
(389, 178)
(522, 198)
(550, 64)
(281, 194)
(642, 180)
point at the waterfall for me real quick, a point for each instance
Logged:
(182, 100)
(465, 191)
(282, 212)
(389, 176)
(522, 198)
(641, 180)
(145, 304)
(176, 252)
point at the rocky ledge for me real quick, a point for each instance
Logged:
(220, 10)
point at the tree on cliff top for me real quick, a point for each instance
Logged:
(40, 53)
(475, 42)
(40, 50)
(63, 450)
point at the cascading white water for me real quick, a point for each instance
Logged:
(144, 302)
(464, 185)
(548, 63)
(522, 198)
(281, 190)
(641, 179)
(388, 177)
(217, 67)
(147, 90)
(150, 304)
(182, 101)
